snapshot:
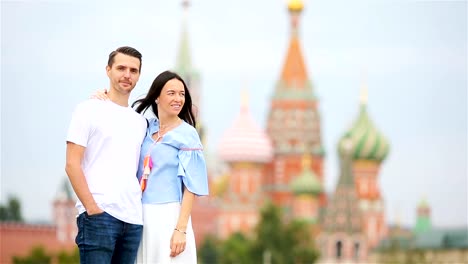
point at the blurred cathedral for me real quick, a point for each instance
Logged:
(283, 163)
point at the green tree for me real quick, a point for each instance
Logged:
(37, 256)
(269, 235)
(12, 211)
(298, 235)
(281, 242)
(69, 257)
(15, 209)
(3, 213)
(272, 241)
(209, 251)
(236, 250)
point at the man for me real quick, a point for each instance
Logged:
(103, 149)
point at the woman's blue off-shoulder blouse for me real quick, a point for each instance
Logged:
(177, 161)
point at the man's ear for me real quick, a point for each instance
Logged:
(108, 70)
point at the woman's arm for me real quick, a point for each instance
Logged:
(178, 239)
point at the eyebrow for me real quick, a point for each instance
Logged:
(125, 66)
(172, 90)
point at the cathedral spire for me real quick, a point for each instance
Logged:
(244, 100)
(190, 75)
(295, 8)
(184, 62)
(294, 73)
(364, 91)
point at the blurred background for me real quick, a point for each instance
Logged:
(333, 131)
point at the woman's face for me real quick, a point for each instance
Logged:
(172, 98)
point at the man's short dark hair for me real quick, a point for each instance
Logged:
(124, 50)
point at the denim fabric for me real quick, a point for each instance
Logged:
(104, 239)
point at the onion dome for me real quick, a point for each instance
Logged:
(295, 5)
(423, 221)
(245, 141)
(307, 182)
(366, 141)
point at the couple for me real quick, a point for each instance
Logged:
(128, 171)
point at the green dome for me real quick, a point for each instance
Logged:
(307, 182)
(367, 142)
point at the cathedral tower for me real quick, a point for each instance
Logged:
(64, 214)
(293, 120)
(369, 150)
(306, 188)
(342, 237)
(186, 70)
(246, 148)
(423, 221)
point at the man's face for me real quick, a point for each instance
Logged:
(124, 73)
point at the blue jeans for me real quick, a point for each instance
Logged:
(104, 239)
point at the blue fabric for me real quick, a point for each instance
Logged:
(178, 161)
(103, 238)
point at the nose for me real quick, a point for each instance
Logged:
(127, 74)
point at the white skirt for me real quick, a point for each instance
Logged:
(159, 221)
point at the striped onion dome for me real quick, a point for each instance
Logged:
(307, 182)
(245, 141)
(366, 141)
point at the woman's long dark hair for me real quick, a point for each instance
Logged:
(142, 105)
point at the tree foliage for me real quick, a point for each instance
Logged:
(209, 252)
(235, 250)
(11, 211)
(273, 241)
(37, 256)
(69, 257)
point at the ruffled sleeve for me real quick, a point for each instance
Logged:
(192, 165)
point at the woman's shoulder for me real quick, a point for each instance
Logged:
(153, 125)
(152, 121)
(187, 135)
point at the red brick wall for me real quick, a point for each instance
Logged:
(18, 239)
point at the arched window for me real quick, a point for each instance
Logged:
(339, 249)
(356, 250)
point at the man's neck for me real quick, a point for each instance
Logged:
(118, 98)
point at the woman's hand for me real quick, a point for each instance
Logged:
(178, 242)
(100, 95)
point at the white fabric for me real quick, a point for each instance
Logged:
(160, 221)
(112, 136)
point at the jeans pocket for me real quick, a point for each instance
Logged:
(94, 215)
(80, 225)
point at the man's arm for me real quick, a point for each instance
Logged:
(75, 155)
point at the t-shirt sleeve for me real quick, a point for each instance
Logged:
(79, 129)
(192, 167)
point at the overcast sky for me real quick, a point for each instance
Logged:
(413, 54)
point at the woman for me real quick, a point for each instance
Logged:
(172, 172)
(175, 171)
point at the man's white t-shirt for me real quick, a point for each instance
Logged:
(112, 135)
